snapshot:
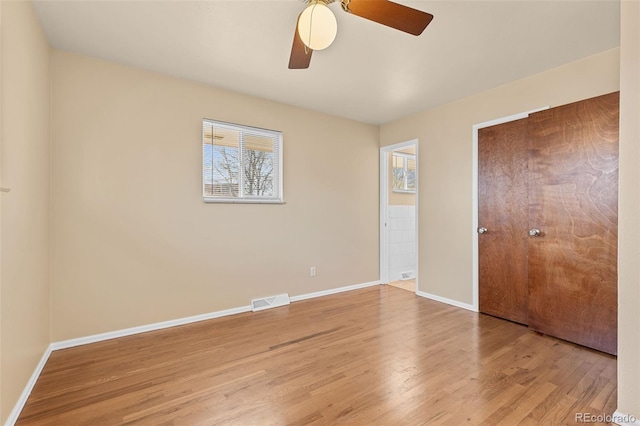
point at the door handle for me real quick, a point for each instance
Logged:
(482, 230)
(535, 232)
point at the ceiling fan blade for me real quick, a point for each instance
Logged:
(300, 54)
(394, 15)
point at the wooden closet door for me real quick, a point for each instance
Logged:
(503, 211)
(573, 187)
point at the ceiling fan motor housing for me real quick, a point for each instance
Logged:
(385, 12)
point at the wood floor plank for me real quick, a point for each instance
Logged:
(375, 356)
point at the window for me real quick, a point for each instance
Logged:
(241, 164)
(404, 172)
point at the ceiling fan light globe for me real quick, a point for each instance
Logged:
(317, 26)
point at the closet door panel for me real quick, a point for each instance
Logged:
(573, 187)
(503, 211)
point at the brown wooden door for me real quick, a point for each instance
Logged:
(503, 211)
(573, 187)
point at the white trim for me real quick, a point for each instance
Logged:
(145, 328)
(617, 415)
(22, 400)
(241, 200)
(384, 206)
(474, 194)
(384, 216)
(447, 301)
(333, 291)
(65, 344)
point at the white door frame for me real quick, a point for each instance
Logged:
(384, 207)
(474, 194)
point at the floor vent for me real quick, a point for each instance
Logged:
(406, 275)
(269, 302)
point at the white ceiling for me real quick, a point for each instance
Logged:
(371, 73)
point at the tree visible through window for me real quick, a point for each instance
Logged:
(241, 163)
(404, 172)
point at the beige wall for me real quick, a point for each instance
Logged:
(629, 220)
(445, 161)
(399, 198)
(24, 265)
(134, 244)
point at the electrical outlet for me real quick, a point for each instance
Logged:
(312, 271)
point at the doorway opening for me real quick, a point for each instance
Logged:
(398, 215)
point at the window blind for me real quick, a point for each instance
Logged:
(241, 163)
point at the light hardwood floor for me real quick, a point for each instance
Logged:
(409, 285)
(379, 356)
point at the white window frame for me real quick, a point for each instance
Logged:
(242, 199)
(405, 181)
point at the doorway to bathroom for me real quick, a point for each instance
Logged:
(398, 215)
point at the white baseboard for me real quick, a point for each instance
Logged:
(188, 320)
(447, 301)
(623, 419)
(22, 400)
(149, 327)
(333, 291)
(13, 417)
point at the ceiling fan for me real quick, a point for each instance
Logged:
(316, 26)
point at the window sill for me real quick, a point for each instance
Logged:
(239, 201)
